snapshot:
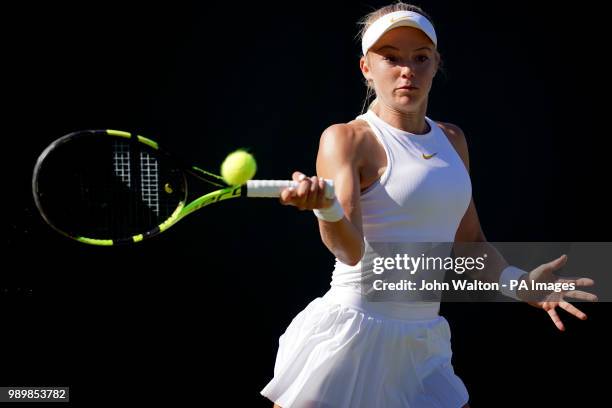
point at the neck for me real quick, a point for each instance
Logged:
(412, 122)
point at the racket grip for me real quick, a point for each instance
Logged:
(273, 188)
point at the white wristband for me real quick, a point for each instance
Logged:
(508, 281)
(333, 213)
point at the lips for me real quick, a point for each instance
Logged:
(408, 87)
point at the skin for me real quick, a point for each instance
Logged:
(350, 154)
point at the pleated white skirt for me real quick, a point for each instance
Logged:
(344, 352)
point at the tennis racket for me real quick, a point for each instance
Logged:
(110, 187)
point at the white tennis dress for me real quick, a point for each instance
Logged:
(342, 351)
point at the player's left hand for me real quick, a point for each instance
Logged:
(549, 300)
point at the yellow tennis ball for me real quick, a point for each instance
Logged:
(238, 167)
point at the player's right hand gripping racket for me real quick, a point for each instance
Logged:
(109, 187)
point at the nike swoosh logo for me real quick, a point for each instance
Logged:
(429, 156)
(394, 19)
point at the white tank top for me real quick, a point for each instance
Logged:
(421, 197)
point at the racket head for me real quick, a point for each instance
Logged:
(108, 187)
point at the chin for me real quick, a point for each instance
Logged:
(404, 103)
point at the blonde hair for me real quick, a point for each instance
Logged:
(367, 21)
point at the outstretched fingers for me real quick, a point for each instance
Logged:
(581, 295)
(556, 319)
(568, 307)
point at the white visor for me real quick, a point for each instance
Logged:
(397, 19)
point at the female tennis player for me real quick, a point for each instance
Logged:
(399, 176)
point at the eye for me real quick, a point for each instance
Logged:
(422, 58)
(390, 58)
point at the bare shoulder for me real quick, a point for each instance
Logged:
(453, 132)
(353, 131)
(457, 138)
(344, 138)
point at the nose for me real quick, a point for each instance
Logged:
(407, 71)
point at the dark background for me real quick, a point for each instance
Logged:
(196, 313)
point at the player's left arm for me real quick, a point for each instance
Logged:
(470, 230)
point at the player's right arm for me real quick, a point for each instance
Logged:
(338, 159)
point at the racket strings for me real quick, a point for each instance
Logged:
(146, 189)
(149, 181)
(121, 162)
